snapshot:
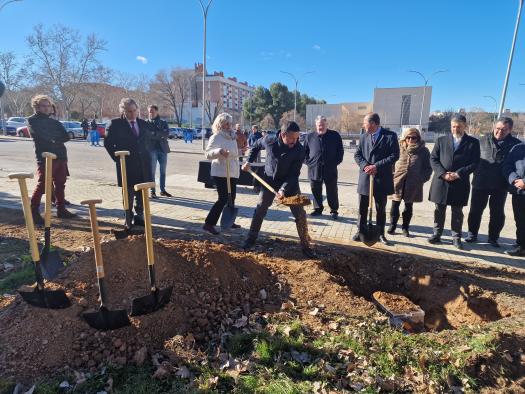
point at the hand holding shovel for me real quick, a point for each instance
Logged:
(103, 319)
(158, 297)
(40, 297)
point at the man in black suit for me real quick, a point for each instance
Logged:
(324, 152)
(376, 155)
(129, 133)
(454, 157)
(489, 185)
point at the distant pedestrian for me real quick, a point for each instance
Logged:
(159, 148)
(242, 141)
(455, 156)
(411, 172)
(489, 185)
(514, 172)
(376, 154)
(94, 136)
(223, 152)
(324, 152)
(49, 135)
(187, 134)
(252, 139)
(85, 128)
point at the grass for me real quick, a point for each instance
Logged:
(15, 279)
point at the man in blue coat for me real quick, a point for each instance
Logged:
(376, 155)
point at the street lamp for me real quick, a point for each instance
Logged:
(424, 91)
(295, 93)
(6, 3)
(511, 56)
(205, 16)
(496, 104)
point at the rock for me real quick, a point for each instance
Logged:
(161, 373)
(117, 343)
(140, 356)
(262, 294)
(83, 302)
(183, 372)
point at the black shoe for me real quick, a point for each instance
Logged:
(248, 244)
(334, 215)
(457, 243)
(63, 213)
(308, 252)
(165, 194)
(494, 243)
(153, 195)
(392, 229)
(435, 239)
(210, 228)
(384, 241)
(405, 232)
(356, 237)
(316, 212)
(471, 238)
(234, 225)
(138, 220)
(519, 251)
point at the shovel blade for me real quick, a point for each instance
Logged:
(229, 214)
(105, 319)
(370, 234)
(51, 299)
(51, 263)
(124, 233)
(151, 302)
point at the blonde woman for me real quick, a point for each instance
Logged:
(222, 151)
(411, 171)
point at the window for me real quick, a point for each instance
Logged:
(405, 109)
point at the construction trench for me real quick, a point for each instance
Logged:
(216, 286)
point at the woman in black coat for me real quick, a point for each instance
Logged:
(454, 157)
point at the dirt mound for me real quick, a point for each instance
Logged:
(214, 286)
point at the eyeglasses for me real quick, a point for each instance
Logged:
(412, 137)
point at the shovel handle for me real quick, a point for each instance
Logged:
(262, 181)
(123, 176)
(96, 236)
(144, 187)
(371, 198)
(49, 157)
(228, 182)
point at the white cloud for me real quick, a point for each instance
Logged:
(142, 59)
(317, 47)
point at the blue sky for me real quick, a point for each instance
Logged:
(353, 46)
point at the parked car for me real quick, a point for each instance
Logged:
(198, 133)
(176, 132)
(15, 122)
(101, 128)
(73, 129)
(9, 129)
(23, 132)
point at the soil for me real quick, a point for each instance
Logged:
(395, 303)
(299, 199)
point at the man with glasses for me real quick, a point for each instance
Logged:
(489, 185)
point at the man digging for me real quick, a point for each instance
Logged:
(284, 158)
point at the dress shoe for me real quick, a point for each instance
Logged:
(165, 194)
(63, 213)
(471, 238)
(54, 203)
(435, 239)
(210, 228)
(37, 218)
(392, 229)
(138, 220)
(153, 195)
(356, 237)
(316, 212)
(384, 241)
(334, 215)
(494, 243)
(308, 252)
(234, 225)
(457, 243)
(519, 251)
(405, 232)
(248, 244)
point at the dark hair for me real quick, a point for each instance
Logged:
(506, 120)
(373, 117)
(458, 118)
(290, 126)
(154, 107)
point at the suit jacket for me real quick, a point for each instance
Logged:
(159, 134)
(514, 168)
(323, 154)
(283, 165)
(384, 153)
(463, 161)
(49, 135)
(119, 136)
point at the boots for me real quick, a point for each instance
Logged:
(38, 220)
(407, 217)
(63, 213)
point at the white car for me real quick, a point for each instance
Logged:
(16, 122)
(73, 129)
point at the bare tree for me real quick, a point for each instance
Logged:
(213, 110)
(63, 61)
(267, 123)
(288, 115)
(14, 75)
(174, 88)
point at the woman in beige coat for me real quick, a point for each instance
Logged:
(222, 151)
(411, 171)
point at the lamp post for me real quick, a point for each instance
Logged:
(205, 16)
(6, 3)
(424, 91)
(295, 93)
(496, 104)
(511, 56)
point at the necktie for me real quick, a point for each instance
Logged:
(135, 131)
(373, 139)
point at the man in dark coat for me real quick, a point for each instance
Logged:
(128, 133)
(284, 159)
(324, 152)
(489, 185)
(159, 148)
(85, 127)
(454, 157)
(514, 171)
(49, 135)
(376, 155)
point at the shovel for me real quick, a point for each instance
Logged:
(158, 297)
(103, 319)
(49, 259)
(370, 234)
(305, 201)
(120, 234)
(40, 297)
(229, 213)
